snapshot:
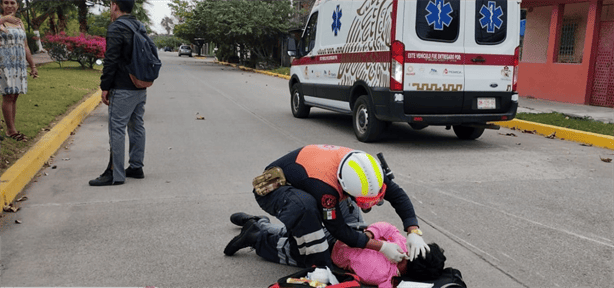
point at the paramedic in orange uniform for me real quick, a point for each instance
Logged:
(314, 211)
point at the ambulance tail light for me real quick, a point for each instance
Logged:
(516, 62)
(397, 59)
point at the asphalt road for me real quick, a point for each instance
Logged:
(522, 211)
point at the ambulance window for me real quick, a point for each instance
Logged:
(438, 20)
(490, 21)
(309, 37)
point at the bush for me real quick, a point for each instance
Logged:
(32, 42)
(226, 53)
(85, 49)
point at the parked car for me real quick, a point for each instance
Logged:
(168, 49)
(185, 50)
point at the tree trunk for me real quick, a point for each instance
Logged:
(61, 20)
(38, 21)
(82, 8)
(52, 27)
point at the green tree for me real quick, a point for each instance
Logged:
(139, 11)
(167, 40)
(250, 26)
(182, 10)
(167, 24)
(97, 24)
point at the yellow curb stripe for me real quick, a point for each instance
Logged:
(19, 174)
(594, 139)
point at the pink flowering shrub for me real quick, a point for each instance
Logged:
(85, 49)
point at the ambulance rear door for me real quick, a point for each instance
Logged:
(433, 34)
(491, 39)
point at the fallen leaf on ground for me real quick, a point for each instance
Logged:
(18, 221)
(508, 134)
(588, 145)
(552, 136)
(529, 132)
(24, 198)
(606, 160)
(200, 118)
(11, 208)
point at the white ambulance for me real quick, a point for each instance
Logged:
(425, 62)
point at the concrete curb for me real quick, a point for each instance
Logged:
(21, 173)
(589, 138)
(594, 139)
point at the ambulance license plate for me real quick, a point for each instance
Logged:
(487, 103)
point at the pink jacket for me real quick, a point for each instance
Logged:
(372, 267)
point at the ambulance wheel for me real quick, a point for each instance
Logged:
(297, 103)
(467, 132)
(366, 127)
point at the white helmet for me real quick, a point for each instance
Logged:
(360, 175)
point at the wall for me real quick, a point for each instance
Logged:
(553, 81)
(535, 46)
(579, 13)
(539, 76)
(607, 14)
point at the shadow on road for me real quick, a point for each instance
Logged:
(399, 133)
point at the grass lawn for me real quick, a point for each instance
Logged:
(560, 120)
(54, 93)
(281, 70)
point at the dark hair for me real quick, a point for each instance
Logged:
(427, 269)
(124, 5)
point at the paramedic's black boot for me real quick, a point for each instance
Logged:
(241, 218)
(247, 238)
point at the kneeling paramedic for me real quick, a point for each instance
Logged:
(311, 202)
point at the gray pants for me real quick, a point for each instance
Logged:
(126, 109)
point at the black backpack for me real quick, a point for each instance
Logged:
(145, 65)
(450, 278)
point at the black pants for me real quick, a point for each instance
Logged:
(303, 242)
(299, 241)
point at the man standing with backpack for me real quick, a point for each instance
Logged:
(126, 100)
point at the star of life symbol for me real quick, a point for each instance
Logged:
(336, 20)
(491, 17)
(439, 14)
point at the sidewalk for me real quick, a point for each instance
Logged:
(532, 105)
(41, 58)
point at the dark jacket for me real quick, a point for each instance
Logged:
(301, 178)
(118, 55)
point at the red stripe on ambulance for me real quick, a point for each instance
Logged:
(411, 57)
